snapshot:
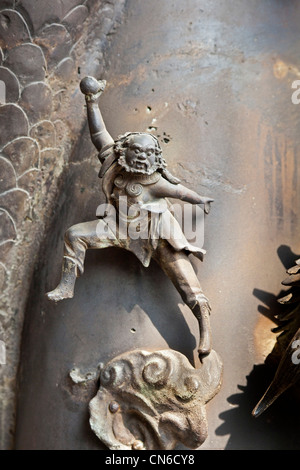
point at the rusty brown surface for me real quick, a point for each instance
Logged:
(213, 81)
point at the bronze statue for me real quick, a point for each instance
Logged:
(136, 184)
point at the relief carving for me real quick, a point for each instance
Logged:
(136, 183)
(154, 400)
(146, 400)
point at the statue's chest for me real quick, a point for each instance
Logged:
(135, 187)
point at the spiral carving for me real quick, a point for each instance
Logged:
(134, 189)
(157, 370)
(120, 181)
(115, 375)
(108, 375)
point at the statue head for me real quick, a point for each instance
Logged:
(139, 153)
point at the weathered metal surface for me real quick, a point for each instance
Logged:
(154, 400)
(213, 82)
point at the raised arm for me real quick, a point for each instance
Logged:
(92, 89)
(177, 191)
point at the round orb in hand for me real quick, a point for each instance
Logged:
(91, 86)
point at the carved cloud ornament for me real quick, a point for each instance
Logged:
(154, 400)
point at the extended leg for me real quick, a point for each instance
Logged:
(179, 269)
(78, 239)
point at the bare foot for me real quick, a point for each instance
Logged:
(204, 326)
(205, 341)
(60, 293)
(204, 351)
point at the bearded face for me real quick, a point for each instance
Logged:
(140, 154)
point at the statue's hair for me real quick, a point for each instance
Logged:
(122, 143)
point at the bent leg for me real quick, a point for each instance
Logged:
(78, 239)
(179, 269)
